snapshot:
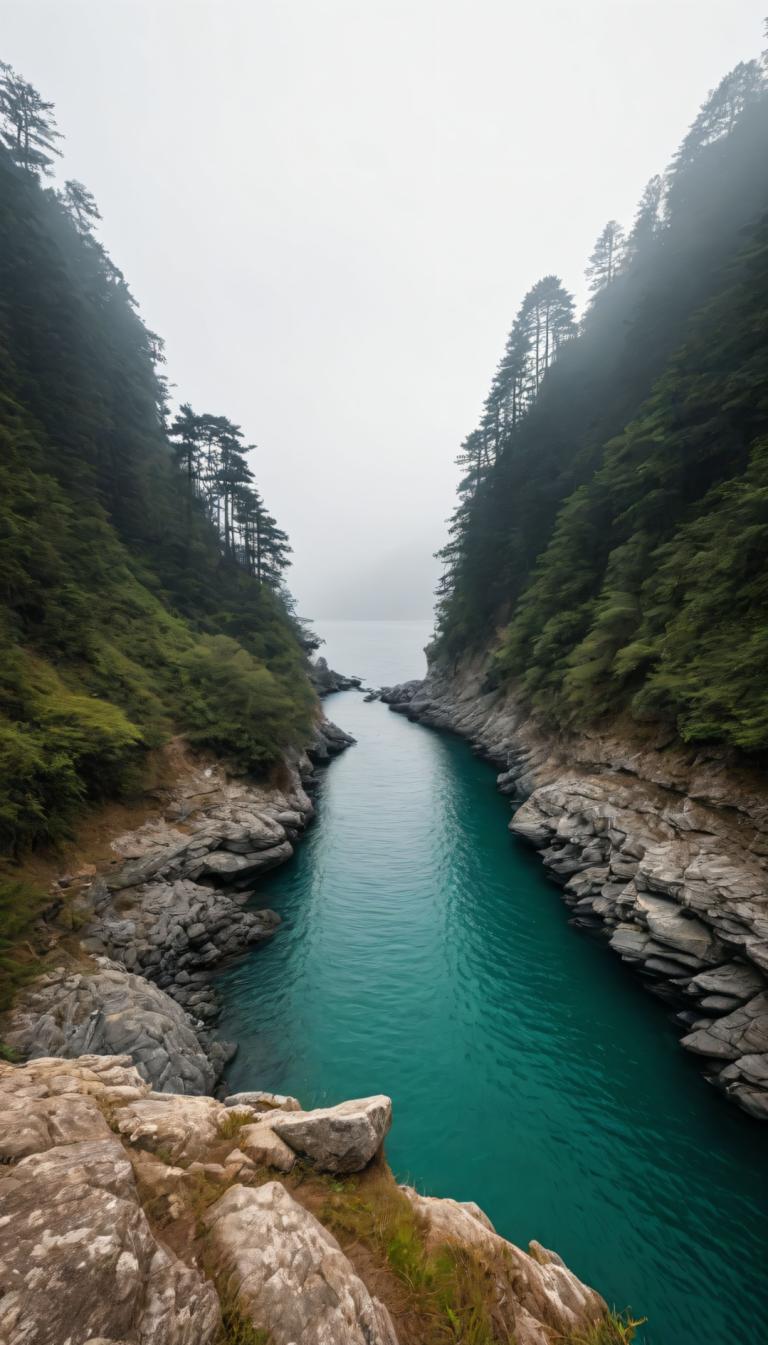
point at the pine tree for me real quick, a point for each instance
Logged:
(606, 257)
(80, 205)
(547, 319)
(648, 217)
(28, 125)
(188, 449)
(741, 87)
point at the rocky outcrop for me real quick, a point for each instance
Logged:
(337, 1139)
(536, 1296)
(660, 849)
(326, 681)
(80, 1259)
(289, 1273)
(106, 1010)
(329, 741)
(170, 908)
(129, 1217)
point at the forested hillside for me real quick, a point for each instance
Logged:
(141, 584)
(611, 540)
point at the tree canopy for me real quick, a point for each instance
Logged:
(141, 575)
(609, 539)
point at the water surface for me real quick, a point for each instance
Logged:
(423, 954)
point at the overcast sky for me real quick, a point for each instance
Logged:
(330, 210)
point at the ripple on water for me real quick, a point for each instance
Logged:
(425, 955)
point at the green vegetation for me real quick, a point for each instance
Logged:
(233, 1123)
(20, 906)
(449, 1289)
(618, 1328)
(611, 540)
(141, 577)
(236, 1327)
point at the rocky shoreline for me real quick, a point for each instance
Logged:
(167, 912)
(140, 1210)
(662, 850)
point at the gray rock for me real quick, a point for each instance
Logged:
(112, 1012)
(263, 1102)
(226, 866)
(338, 1139)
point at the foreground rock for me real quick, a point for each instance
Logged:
(289, 1273)
(538, 1298)
(88, 1152)
(80, 1261)
(338, 1139)
(662, 850)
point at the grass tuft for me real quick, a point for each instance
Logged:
(231, 1124)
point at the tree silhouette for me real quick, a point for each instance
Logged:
(606, 258)
(28, 125)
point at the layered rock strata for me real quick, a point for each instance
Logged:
(661, 849)
(129, 1217)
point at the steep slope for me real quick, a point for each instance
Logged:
(122, 622)
(603, 620)
(610, 549)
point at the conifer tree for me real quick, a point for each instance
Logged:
(606, 257)
(648, 217)
(80, 205)
(718, 116)
(547, 319)
(28, 125)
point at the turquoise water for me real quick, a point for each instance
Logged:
(423, 954)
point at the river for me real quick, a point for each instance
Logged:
(424, 954)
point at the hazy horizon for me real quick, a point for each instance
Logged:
(331, 213)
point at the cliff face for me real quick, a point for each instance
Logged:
(660, 848)
(155, 1219)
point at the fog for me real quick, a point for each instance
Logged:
(330, 210)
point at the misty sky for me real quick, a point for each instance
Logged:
(330, 210)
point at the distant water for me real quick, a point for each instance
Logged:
(425, 955)
(381, 652)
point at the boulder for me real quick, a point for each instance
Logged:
(228, 866)
(288, 1273)
(338, 1139)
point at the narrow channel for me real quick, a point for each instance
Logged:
(425, 955)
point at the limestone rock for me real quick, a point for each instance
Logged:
(183, 1127)
(263, 1102)
(80, 1261)
(264, 1147)
(538, 1298)
(227, 866)
(743, 1032)
(288, 1272)
(338, 1139)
